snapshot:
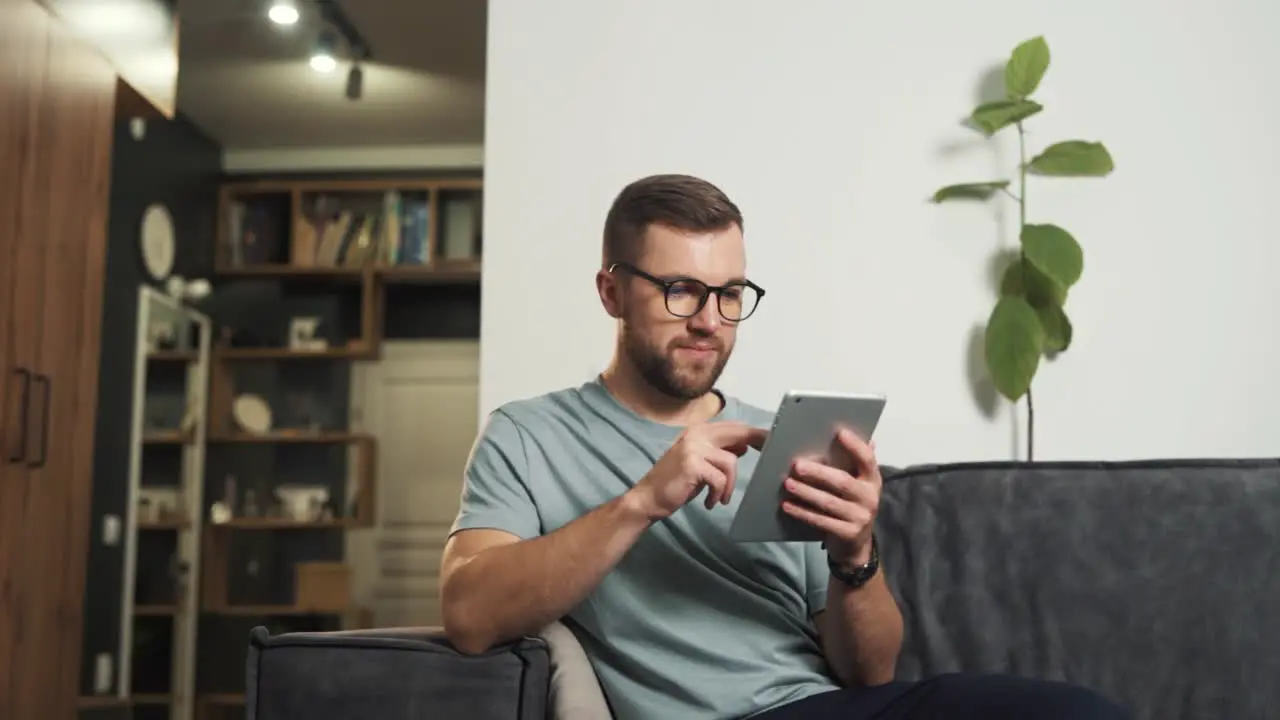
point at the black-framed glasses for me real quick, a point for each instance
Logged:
(686, 296)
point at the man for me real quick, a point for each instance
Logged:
(578, 505)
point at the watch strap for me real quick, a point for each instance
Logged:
(858, 576)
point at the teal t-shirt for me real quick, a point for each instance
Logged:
(690, 624)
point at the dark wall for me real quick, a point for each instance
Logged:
(175, 164)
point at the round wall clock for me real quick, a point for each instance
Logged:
(156, 241)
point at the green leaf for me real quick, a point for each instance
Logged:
(993, 116)
(1024, 280)
(1054, 252)
(1057, 328)
(970, 191)
(1026, 67)
(1014, 342)
(1073, 158)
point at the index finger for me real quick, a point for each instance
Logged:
(727, 434)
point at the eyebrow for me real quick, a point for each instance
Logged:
(736, 280)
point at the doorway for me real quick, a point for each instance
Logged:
(422, 402)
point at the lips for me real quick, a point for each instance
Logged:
(699, 351)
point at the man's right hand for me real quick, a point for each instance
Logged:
(705, 455)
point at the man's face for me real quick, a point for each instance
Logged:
(681, 357)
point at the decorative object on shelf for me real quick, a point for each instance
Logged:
(303, 503)
(161, 335)
(225, 509)
(252, 414)
(197, 290)
(156, 242)
(302, 334)
(184, 290)
(159, 504)
(1029, 320)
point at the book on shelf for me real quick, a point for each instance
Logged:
(255, 233)
(394, 231)
(387, 230)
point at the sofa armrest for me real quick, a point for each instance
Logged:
(380, 673)
(392, 674)
(574, 692)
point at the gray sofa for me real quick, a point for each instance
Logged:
(1154, 583)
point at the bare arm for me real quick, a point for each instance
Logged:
(861, 632)
(496, 587)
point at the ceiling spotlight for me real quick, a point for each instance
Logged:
(323, 62)
(283, 12)
(355, 83)
(322, 59)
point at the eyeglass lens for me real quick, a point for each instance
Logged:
(686, 298)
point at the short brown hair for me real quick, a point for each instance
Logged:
(682, 202)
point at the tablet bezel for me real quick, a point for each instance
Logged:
(805, 425)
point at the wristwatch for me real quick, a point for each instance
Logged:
(859, 576)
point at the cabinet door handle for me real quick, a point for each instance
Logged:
(20, 453)
(46, 410)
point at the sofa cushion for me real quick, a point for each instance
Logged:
(575, 692)
(1152, 582)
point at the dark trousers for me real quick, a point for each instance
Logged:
(955, 697)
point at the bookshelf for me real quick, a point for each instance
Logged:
(419, 229)
(305, 271)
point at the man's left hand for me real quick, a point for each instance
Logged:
(842, 504)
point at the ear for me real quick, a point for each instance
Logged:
(610, 293)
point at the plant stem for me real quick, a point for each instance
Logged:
(1031, 428)
(1022, 223)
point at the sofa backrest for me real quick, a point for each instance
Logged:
(1154, 583)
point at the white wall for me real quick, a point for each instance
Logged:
(830, 122)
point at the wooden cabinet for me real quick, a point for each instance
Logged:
(24, 35)
(56, 108)
(139, 38)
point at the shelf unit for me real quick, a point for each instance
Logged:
(172, 377)
(292, 256)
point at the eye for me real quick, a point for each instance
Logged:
(685, 288)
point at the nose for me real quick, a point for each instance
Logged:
(707, 320)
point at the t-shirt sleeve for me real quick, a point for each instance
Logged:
(816, 577)
(494, 491)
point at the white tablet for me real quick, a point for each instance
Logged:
(805, 426)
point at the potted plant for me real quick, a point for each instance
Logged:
(1029, 320)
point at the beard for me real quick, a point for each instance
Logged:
(659, 367)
